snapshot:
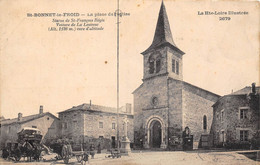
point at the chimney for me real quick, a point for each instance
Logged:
(253, 88)
(41, 109)
(128, 108)
(89, 104)
(20, 115)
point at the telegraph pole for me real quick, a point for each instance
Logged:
(117, 16)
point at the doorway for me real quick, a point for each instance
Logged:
(156, 134)
(113, 138)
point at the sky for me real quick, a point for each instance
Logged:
(61, 69)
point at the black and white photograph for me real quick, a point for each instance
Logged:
(129, 82)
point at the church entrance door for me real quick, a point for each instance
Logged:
(156, 134)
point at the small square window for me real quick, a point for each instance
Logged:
(100, 124)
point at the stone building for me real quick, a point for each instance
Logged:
(94, 124)
(236, 118)
(46, 122)
(164, 104)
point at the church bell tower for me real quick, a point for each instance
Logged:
(163, 57)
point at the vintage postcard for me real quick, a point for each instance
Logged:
(129, 82)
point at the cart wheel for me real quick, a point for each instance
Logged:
(66, 160)
(17, 158)
(79, 158)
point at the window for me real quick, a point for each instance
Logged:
(177, 67)
(113, 125)
(151, 67)
(244, 113)
(75, 123)
(158, 65)
(64, 125)
(100, 124)
(217, 116)
(243, 135)
(205, 122)
(34, 126)
(222, 136)
(48, 118)
(101, 137)
(155, 63)
(173, 65)
(154, 101)
(222, 116)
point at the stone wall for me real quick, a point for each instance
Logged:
(83, 127)
(163, 69)
(231, 123)
(91, 125)
(72, 125)
(175, 109)
(144, 108)
(197, 103)
(171, 54)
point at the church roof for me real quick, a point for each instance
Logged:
(163, 35)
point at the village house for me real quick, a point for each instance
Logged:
(94, 124)
(236, 119)
(164, 104)
(47, 123)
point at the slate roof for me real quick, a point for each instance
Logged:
(244, 91)
(26, 119)
(163, 35)
(97, 108)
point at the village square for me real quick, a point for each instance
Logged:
(170, 121)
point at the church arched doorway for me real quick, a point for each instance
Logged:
(155, 134)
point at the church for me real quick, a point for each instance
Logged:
(164, 104)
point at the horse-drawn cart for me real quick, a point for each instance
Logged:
(28, 146)
(65, 152)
